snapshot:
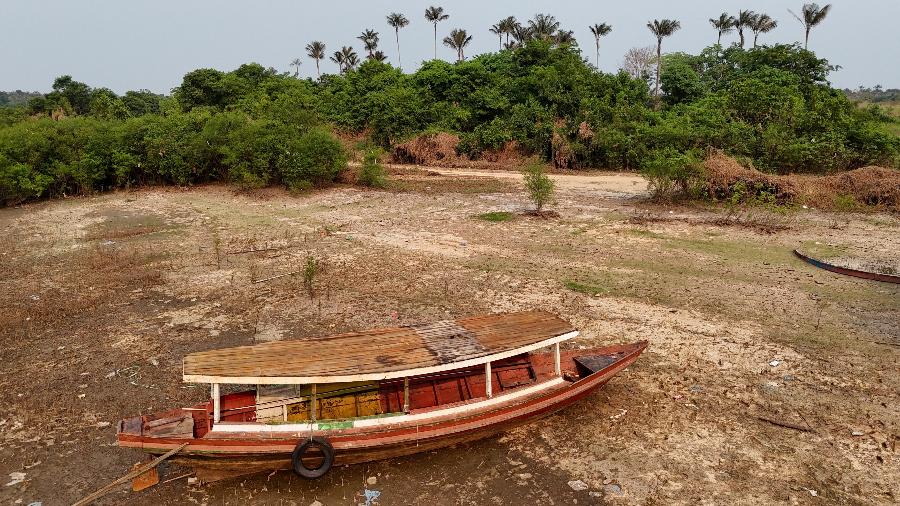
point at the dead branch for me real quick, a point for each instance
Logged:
(786, 425)
(276, 277)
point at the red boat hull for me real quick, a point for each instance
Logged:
(221, 455)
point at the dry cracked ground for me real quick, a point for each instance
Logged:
(766, 380)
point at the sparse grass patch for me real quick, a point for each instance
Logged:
(642, 232)
(495, 216)
(586, 288)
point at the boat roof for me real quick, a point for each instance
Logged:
(387, 353)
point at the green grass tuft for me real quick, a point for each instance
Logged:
(496, 216)
(585, 288)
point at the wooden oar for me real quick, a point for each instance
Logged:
(133, 474)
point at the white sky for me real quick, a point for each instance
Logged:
(135, 44)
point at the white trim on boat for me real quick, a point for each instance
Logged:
(242, 427)
(306, 380)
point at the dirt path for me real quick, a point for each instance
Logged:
(103, 296)
(608, 184)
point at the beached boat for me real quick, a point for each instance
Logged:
(373, 395)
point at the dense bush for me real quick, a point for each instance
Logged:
(263, 134)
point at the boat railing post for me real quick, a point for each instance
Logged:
(488, 387)
(217, 403)
(556, 362)
(312, 403)
(406, 395)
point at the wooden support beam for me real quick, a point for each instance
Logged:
(488, 387)
(556, 361)
(217, 403)
(312, 403)
(406, 395)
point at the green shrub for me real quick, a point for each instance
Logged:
(371, 173)
(672, 173)
(314, 158)
(538, 185)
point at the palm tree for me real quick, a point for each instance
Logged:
(346, 58)
(397, 21)
(725, 24)
(296, 63)
(498, 31)
(316, 51)
(600, 30)
(458, 40)
(352, 60)
(744, 20)
(508, 27)
(435, 15)
(521, 35)
(370, 40)
(762, 24)
(812, 16)
(543, 26)
(378, 56)
(661, 29)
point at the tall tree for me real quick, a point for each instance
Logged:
(543, 26)
(346, 58)
(435, 15)
(508, 27)
(296, 64)
(498, 31)
(661, 29)
(370, 40)
(725, 23)
(600, 30)
(744, 20)
(458, 40)
(812, 16)
(397, 21)
(763, 23)
(316, 51)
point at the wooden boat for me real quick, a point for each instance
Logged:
(875, 276)
(373, 395)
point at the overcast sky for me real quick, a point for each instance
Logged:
(142, 44)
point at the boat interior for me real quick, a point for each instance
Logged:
(324, 403)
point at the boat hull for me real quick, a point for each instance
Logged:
(222, 455)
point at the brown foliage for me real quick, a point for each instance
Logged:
(873, 186)
(430, 149)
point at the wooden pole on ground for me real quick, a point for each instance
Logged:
(130, 476)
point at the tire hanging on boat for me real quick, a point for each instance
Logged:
(301, 451)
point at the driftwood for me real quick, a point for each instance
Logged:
(276, 277)
(786, 425)
(256, 250)
(133, 474)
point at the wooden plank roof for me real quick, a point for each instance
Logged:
(381, 354)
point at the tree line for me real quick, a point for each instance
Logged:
(254, 126)
(513, 34)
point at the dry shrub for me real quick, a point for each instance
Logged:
(873, 186)
(724, 176)
(429, 149)
(563, 156)
(585, 132)
(510, 154)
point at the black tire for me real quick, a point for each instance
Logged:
(300, 451)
